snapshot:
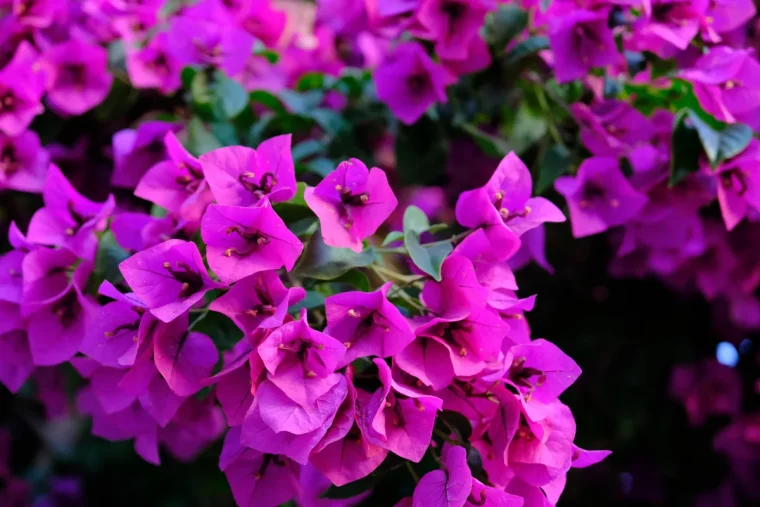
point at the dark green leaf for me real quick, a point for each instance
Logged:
(493, 146)
(721, 144)
(220, 328)
(327, 263)
(108, 258)
(199, 139)
(555, 163)
(225, 133)
(322, 166)
(312, 300)
(504, 25)
(426, 257)
(529, 46)
(457, 422)
(187, 76)
(421, 162)
(295, 209)
(306, 149)
(330, 121)
(355, 279)
(352, 488)
(229, 94)
(684, 158)
(269, 100)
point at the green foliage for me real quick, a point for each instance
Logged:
(428, 257)
(323, 262)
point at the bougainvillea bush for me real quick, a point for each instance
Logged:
(267, 252)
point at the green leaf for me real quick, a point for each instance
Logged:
(220, 329)
(307, 149)
(504, 25)
(295, 209)
(493, 146)
(528, 47)
(330, 121)
(392, 237)
(268, 100)
(199, 139)
(555, 162)
(528, 128)
(421, 152)
(723, 144)
(426, 257)
(327, 263)
(229, 94)
(187, 76)
(225, 133)
(108, 258)
(312, 300)
(684, 158)
(352, 488)
(355, 279)
(458, 422)
(322, 166)
(314, 81)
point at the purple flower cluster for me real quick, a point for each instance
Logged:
(335, 397)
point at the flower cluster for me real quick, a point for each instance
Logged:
(366, 379)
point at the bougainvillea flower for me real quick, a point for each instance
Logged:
(599, 196)
(398, 418)
(244, 241)
(669, 25)
(452, 24)
(242, 176)
(185, 360)
(532, 249)
(706, 388)
(21, 89)
(36, 14)
(47, 275)
(113, 334)
(208, 41)
(136, 151)
(139, 231)
(506, 198)
(739, 185)
(351, 203)
(262, 21)
(272, 410)
(56, 330)
(540, 371)
(23, 162)
(445, 349)
(169, 278)
(265, 480)
(15, 359)
(449, 487)
(234, 382)
(153, 66)
(486, 496)
(724, 16)
(612, 128)
(68, 219)
(725, 82)
(581, 40)
(11, 276)
(258, 301)
(458, 292)
(409, 82)
(78, 77)
(367, 324)
(583, 458)
(198, 424)
(541, 451)
(177, 184)
(344, 455)
(491, 270)
(301, 360)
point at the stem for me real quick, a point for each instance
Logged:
(384, 275)
(380, 270)
(400, 250)
(200, 318)
(412, 472)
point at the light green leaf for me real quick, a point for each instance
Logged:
(426, 257)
